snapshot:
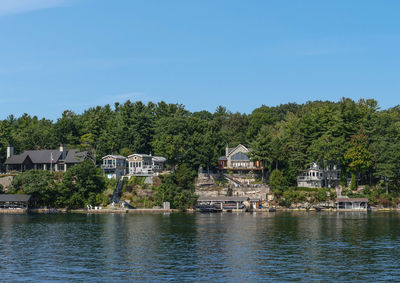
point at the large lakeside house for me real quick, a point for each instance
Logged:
(116, 166)
(236, 159)
(46, 159)
(316, 177)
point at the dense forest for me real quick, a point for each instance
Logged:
(359, 136)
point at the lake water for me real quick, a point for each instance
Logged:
(186, 247)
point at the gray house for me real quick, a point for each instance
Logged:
(316, 177)
(48, 159)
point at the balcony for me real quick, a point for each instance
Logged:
(108, 166)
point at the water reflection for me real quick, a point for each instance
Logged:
(281, 246)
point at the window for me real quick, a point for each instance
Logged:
(240, 156)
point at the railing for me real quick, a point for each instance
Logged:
(241, 167)
(309, 178)
(108, 166)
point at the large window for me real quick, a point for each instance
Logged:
(240, 156)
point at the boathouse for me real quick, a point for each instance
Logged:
(352, 203)
(14, 201)
(224, 201)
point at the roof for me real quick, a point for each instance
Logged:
(44, 156)
(231, 149)
(222, 158)
(222, 198)
(159, 158)
(342, 199)
(114, 156)
(17, 159)
(14, 197)
(75, 156)
(140, 154)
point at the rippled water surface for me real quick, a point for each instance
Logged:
(187, 247)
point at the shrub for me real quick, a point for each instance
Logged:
(353, 183)
(277, 182)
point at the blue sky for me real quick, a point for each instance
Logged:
(74, 54)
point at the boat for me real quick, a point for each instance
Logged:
(207, 208)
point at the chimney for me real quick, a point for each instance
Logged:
(226, 150)
(10, 151)
(63, 151)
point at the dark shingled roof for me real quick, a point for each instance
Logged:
(14, 197)
(75, 156)
(222, 158)
(44, 156)
(17, 159)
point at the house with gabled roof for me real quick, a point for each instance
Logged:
(237, 159)
(140, 164)
(114, 166)
(315, 176)
(46, 159)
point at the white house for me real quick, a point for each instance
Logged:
(140, 164)
(315, 177)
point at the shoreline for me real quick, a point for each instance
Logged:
(152, 211)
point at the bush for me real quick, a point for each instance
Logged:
(320, 196)
(136, 180)
(277, 182)
(353, 183)
(38, 183)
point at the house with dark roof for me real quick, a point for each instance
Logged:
(237, 159)
(47, 159)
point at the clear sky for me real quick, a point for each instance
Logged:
(73, 54)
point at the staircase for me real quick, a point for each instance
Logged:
(235, 182)
(117, 191)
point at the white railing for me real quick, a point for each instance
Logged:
(108, 166)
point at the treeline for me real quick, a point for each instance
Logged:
(363, 139)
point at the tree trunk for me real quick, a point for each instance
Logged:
(387, 186)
